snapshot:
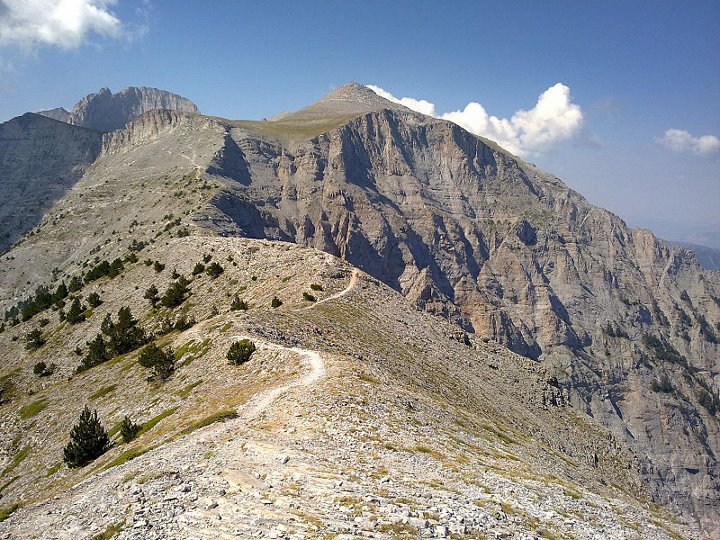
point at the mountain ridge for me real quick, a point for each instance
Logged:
(462, 229)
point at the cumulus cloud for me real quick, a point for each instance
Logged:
(679, 140)
(62, 23)
(419, 105)
(553, 118)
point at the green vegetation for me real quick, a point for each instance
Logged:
(94, 300)
(75, 314)
(30, 410)
(664, 351)
(34, 340)
(240, 351)
(103, 269)
(129, 429)
(158, 266)
(176, 294)
(108, 533)
(309, 297)
(16, 460)
(147, 426)
(161, 363)
(128, 455)
(276, 302)
(316, 287)
(185, 392)
(238, 305)
(220, 416)
(88, 440)
(103, 391)
(151, 294)
(114, 339)
(662, 384)
(8, 511)
(199, 269)
(214, 270)
(41, 369)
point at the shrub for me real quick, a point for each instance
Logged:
(175, 294)
(162, 363)
(34, 340)
(152, 294)
(41, 369)
(240, 351)
(94, 299)
(88, 440)
(238, 305)
(316, 287)
(158, 266)
(75, 314)
(199, 269)
(183, 323)
(214, 270)
(129, 429)
(276, 302)
(309, 297)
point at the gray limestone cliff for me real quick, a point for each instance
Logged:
(105, 111)
(40, 159)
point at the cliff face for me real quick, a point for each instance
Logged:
(464, 229)
(40, 159)
(105, 111)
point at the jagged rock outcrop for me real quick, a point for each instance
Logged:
(40, 159)
(106, 111)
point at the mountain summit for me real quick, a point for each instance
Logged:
(105, 111)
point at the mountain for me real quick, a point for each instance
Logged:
(40, 159)
(622, 325)
(58, 113)
(105, 111)
(707, 257)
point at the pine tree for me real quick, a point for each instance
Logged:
(88, 440)
(129, 429)
(162, 363)
(75, 313)
(240, 351)
(238, 304)
(152, 294)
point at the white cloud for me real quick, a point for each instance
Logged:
(679, 140)
(553, 118)
(419, 105)
(62, 23)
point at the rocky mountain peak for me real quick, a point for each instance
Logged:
(105, 111)
(351, 98)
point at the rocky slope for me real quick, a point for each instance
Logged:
(358, 416)
(40, 159)
(625, 325)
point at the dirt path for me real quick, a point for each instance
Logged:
(253, 408)
(262, 401)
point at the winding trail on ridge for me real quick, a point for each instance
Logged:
(260, 402)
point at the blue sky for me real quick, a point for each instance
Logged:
(633, 69)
